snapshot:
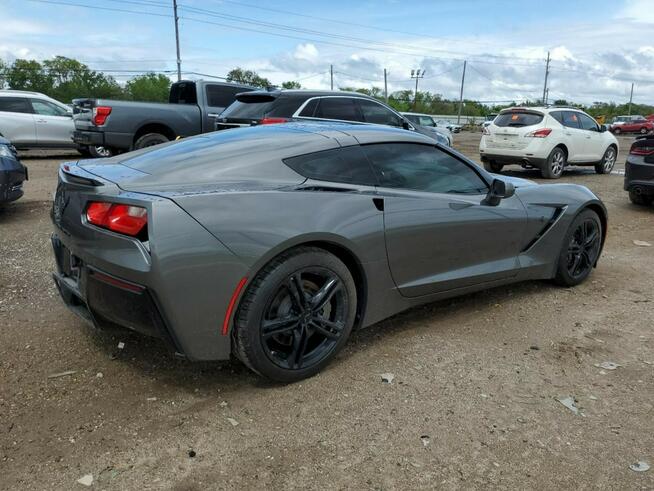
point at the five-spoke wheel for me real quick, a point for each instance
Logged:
(295, 316)
(581, 249)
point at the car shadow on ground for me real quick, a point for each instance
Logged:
(18, 210)
(151, 356)
(535, 173)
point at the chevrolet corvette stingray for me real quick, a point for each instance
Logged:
(273, 243)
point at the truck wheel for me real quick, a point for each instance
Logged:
(100, 152)
(493, 167)
(150, 139)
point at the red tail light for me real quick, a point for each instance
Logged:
(542, 133)
(119, 218)
(641, 150)
(100, 115)
(273, 120)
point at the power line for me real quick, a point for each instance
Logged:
(95, 7)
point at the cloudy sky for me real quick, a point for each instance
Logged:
(598, 47)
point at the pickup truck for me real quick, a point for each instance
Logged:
(121, 126)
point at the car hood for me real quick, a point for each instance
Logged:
(517, 182)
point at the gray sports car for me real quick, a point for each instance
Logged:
(274, 242)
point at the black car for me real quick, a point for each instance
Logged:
(12, 173)
(639, 171)
(282, 106)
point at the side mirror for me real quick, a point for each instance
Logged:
(406, 125)
(499, 190)
(603, 128)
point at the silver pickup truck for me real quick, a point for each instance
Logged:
(121, 126)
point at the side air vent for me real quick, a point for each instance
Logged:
(558, 212)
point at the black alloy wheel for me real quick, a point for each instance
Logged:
(581, 249)
(304, 319)
(295, 315)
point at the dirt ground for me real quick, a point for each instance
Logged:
(472, 405)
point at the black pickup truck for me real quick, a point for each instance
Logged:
(120, 126)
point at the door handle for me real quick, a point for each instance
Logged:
(568, 134)
(41, 121)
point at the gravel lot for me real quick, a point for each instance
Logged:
(473, 403)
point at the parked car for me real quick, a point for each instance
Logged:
(34, 120)
(429, 123)
(639, 171)
(12, 173)
(265, 107)
(636, 124)
(125, 125)
(274, 242)
(547, 138)
(487, 121)
(453, 127)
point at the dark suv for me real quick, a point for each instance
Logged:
(639, 171)
(281, 106)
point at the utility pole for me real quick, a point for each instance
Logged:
(631, 97)
(547, 95)
(179, 61)
(417, 75)
(547, 72)
(331, 76)
(463, 79)
(385, 87)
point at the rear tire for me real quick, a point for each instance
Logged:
(282, 330)
(580, 249)
(555, 164)
(493, 167)
(608, 161)
(640, 199)
(149, 140)
(643, 131)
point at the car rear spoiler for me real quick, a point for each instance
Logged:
(252, 97)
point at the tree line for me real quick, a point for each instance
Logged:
(65, 79)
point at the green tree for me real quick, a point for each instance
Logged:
(3, 74)
(71, 79)
(248, 77)
(150, 87)
(291, 84)
(28, 75)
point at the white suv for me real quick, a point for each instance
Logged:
(548, 138)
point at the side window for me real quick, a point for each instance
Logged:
(14, 105)
(423, 168)
(426, 121)
(570, 119)
(347, 165)
(310, 109)
(587, 123)
(378, 114)
(343, 108)
(46, 108)
(222, 95)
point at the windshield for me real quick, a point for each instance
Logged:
(247, 110)
(518, 119)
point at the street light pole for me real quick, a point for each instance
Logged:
(179, 61)
(417, 75)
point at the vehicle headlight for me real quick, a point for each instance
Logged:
(5, 151)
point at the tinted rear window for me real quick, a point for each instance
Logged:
(348, 165)
(518, 118)
(183, 93)
(247, 110)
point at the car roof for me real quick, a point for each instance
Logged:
(417, 114)
(11, 92)
(311, 93)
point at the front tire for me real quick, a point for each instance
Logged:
(493, 167)
(643, 131)
(580, 250)
(149, 140)
(608, 161)
(296, 315)
(100, 152)
(555, 164)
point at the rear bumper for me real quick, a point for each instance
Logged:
(513, 160)
(107, 302)
(639, 176)
(103, 139)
